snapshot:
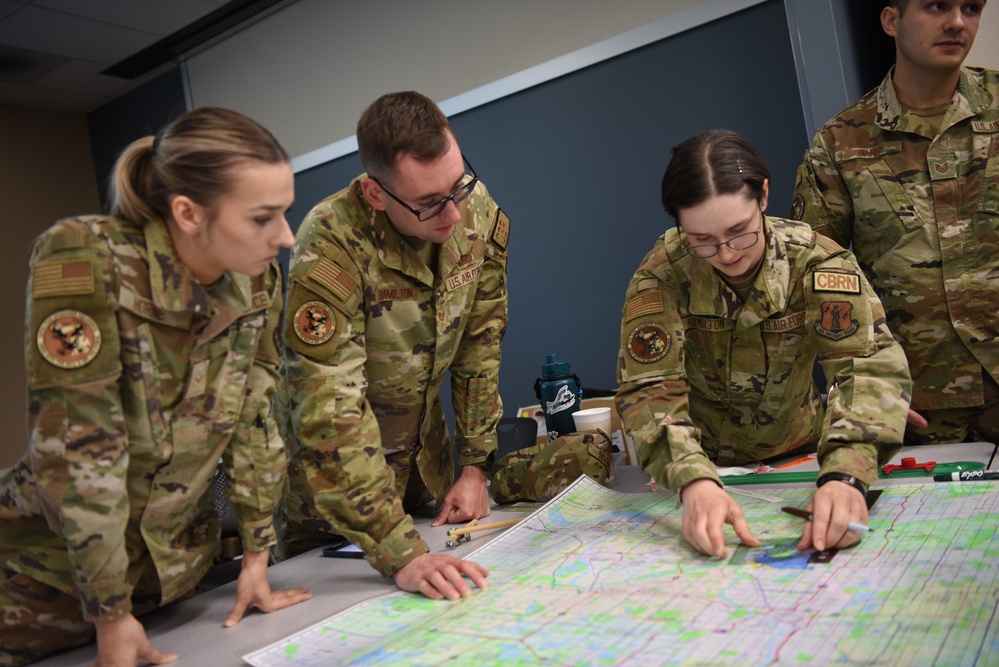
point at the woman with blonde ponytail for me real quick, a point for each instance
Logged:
(150, 355)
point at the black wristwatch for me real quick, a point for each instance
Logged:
(843, 477)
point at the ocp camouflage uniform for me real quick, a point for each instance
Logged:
(707, 378)
(139, 379)
(370, 331)
(922, 212)
(543, 471)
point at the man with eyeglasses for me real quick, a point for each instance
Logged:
(394, 281)
(909, 175)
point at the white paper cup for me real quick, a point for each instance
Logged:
(592, 418)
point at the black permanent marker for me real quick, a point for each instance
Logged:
(968, 476)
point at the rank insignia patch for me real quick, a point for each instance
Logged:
(648, 343)
(836, 322)
(314, 323)
(68, 339)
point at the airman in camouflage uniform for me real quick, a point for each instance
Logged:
(916, 191)
(383, 300)
(139, 379)
(707, 378)
(151, 353)
(359, 406)
(719, 337)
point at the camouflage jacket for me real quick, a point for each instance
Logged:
(370, 331)
(707, 378)
(139, 379)
(922, 213)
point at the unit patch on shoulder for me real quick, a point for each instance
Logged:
(68, 339)
(501, 229)
(837, 322)
(648, 343)
(797, 207)
(833, 281)
(314, 323)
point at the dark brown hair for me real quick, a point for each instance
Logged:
(194, 156)
(405, 122)
(718, 162)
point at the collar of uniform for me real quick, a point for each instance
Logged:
(173, 287)
(972, 99)
(710, 296)
(397, 254)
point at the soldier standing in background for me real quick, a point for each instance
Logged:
(394, 281)
(722, 325)
(909, 174)
(150, 354)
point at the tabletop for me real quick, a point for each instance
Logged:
(193, 627)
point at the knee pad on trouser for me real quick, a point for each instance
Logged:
(542, 471)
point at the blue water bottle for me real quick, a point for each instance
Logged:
(559, 393)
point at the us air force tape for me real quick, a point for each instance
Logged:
(68, 339)
(648, 343)
(314, 323)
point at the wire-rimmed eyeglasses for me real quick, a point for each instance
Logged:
(737, 242)
(433, 210)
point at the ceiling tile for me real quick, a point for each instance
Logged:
(45, 30)
(24, 66)
(152, 16)
(78, 76)
(8, 7)
(41, 98)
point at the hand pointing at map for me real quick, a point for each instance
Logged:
(706, 509)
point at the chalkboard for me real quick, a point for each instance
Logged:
(577, 164)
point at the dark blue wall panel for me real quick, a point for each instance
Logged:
(577, 164)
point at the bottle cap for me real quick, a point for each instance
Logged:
(553, 367)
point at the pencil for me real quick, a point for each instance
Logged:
(859, 527)
(485, 526)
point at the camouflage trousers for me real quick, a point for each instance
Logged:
(977, 424)
(541, 472)
(39, 619)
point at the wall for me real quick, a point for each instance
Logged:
(309, 70)
(985, 52)
(45, 174)
(576, 162)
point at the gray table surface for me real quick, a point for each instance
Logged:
(193, 628)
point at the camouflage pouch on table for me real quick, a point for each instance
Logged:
(542, 471)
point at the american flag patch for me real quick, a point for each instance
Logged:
(61, 279)
(331, 276)
(646, 303)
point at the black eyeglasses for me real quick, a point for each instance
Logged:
(433, 210)
(737, 242)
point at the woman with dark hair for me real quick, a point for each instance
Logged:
(723, 322)
(150, 355)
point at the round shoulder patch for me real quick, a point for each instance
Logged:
(314, 323)
(68, 339)
(797, 207)
(648, 343)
